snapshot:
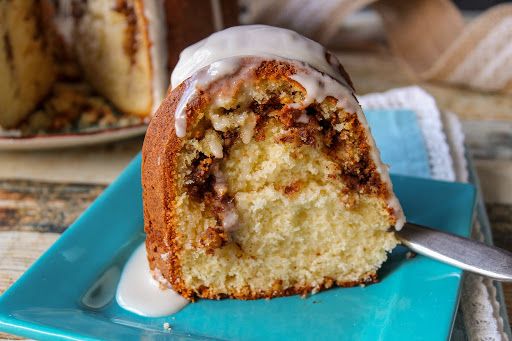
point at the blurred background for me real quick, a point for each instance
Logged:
(68, 128)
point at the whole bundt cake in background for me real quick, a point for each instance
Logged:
(120, 50)
(120, 47)
(27, 70)
(260, 175)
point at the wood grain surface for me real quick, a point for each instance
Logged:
(35, 206)
(32, 216)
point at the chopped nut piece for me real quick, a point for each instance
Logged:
(214, 238)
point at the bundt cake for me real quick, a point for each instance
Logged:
(27, 71)
(260, 176)
(122, 49)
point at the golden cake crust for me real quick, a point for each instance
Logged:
(159, 180)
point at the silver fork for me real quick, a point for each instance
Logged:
(467, 254)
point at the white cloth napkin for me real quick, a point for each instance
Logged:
(480, 308)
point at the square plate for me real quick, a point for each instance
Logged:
(68, 292)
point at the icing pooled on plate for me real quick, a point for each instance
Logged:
(139, 292)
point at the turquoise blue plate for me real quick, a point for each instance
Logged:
(68, 292)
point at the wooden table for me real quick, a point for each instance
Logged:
(41, 193)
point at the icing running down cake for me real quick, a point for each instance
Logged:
(260, 175)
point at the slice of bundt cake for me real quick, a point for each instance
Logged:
(260, 176)
(27, 71)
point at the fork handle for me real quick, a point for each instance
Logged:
(464, 253)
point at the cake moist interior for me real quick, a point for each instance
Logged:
(274, 196)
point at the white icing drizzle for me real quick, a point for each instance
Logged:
(394, 204)
(254, 40)
(319, 86)
(382, 169)
(139, 292)
(180, 115)
(154, 11)
(217, 70)
(230, 218)
(220, 185)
